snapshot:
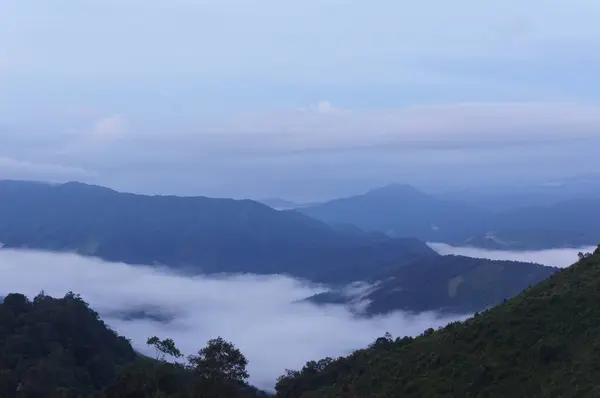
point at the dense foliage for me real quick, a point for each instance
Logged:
(56, 347)
(544, 342)
(204, 234)
(216, 371)
(59, 348)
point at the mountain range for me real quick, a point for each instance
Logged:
(201, 235)
(535, 331)
(195, 234)
(400, 210)
(543, 193)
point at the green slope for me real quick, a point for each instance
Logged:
(60, 348)
(544, 342)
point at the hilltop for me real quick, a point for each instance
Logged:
(541, 343)
(60, 348)
(401, 210)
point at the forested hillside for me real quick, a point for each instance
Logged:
(544, 342)
(59, 348)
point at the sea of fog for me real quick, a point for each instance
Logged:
(259, 314)
(552, 257)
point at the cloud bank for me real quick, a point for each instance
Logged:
(256, 313)
(282, 152)
(552, 257)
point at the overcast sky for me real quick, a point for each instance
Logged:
(299, 99)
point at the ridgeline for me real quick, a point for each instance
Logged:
(545, 342)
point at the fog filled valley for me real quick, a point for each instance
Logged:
(552, 257)
(262, 314)
(299, 199)
(257, 313)
(234, 298)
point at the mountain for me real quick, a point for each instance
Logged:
(544, 193)
(193, 233)
(569, 223)
(402, 211)
(541, 343)
(531, 239)
(279, 204)
(60, 348)
(447, 284)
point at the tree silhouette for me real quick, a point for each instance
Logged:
(219, 369)
(163, 348)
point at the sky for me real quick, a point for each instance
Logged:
(256, 313)
(300, 99)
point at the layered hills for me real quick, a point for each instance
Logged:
(212, 235)
(197, 234)
(400, 210)
(541, 343)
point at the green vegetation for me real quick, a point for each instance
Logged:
(59, 348)
(544, 342)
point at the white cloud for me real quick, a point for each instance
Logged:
(18, 169)
(454, 125)
(472, 141)
(254, 312)
(552, 257)
(109, 127)
(326, 126)
(105, 135)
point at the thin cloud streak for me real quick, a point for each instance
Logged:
(552, 257)
(257, 313)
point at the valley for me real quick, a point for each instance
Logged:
(176, 265)
(299, 199)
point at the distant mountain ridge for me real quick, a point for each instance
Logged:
(400, 210)
(202, 234)
(543, 193)
(209, 235)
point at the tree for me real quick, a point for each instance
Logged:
(219, 369)
(163, 348)
(220, 359)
